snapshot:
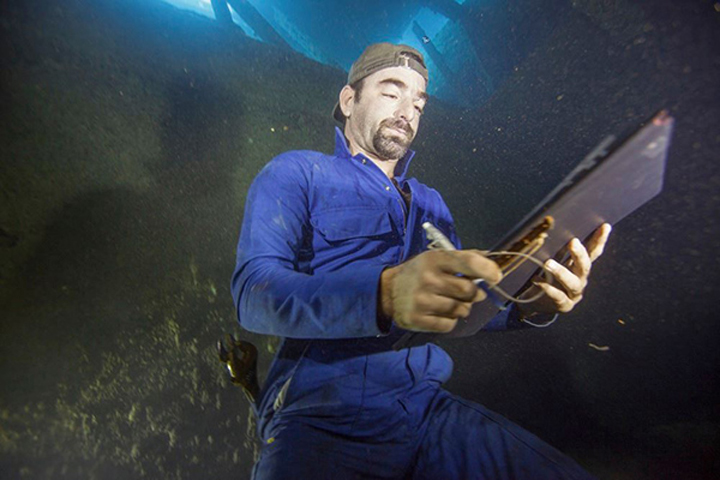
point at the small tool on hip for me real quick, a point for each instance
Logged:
(240, 357)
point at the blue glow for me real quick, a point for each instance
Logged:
(203, 7)
(316, 33)
(241, 23)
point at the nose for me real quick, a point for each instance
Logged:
(406, 110)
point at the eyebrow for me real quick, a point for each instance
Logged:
(403, 86)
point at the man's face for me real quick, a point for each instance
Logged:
(384, 121)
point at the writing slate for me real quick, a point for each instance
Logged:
(615, 179)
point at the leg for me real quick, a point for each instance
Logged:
(464, 440)
(304, 452)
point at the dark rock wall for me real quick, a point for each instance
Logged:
(129, 136)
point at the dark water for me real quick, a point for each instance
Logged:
(130, 132)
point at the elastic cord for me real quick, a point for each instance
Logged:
(538, 325)
(534, 260)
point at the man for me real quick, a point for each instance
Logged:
(332, 257)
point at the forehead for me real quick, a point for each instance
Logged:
(404, 77)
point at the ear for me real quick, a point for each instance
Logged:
(347, 100)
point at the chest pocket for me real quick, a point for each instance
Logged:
(341, 224)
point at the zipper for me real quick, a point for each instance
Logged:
(405, 209)
(401, 202)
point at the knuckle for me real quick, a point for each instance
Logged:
(464, 309)
(566, 307)
(429, 255)
(421, 303)
(468, 289)
(427, 277)
(447, 326)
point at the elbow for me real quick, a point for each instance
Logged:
(247, 313)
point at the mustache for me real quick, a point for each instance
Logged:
(400, 125)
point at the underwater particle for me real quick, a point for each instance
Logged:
(285, 128)
(133, 412)
(272, 129)
(621, 321)
(193, 271)
(499, 129)
(560, 97)
(270, 440)
(599, 348)
(717, 6)
(474, 149)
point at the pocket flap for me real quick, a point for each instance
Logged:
(343, 224)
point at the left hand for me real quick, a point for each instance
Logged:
(569, 280)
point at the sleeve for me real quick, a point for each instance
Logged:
(271, 296)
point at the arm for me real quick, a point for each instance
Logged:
(271, 296)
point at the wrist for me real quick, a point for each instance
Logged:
(385, 295)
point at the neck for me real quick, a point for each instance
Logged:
(386, 165)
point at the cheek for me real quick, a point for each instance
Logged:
(416, 123)
(383, 110)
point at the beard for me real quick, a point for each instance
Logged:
(391, 145)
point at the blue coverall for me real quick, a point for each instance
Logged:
(339, 402)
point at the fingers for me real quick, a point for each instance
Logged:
(431, 291)
(581, 262)
(436, 305)
(472, 264)
(596, 243)
(563, 303)
(432, 323)
(435, 314)
(458, 288)
(574, 275)
(572, 284)
(570, 279)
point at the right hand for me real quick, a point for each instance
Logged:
(425, 294)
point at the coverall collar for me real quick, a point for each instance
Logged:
(342, 150)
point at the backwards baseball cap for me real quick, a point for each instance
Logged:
(379, 56)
